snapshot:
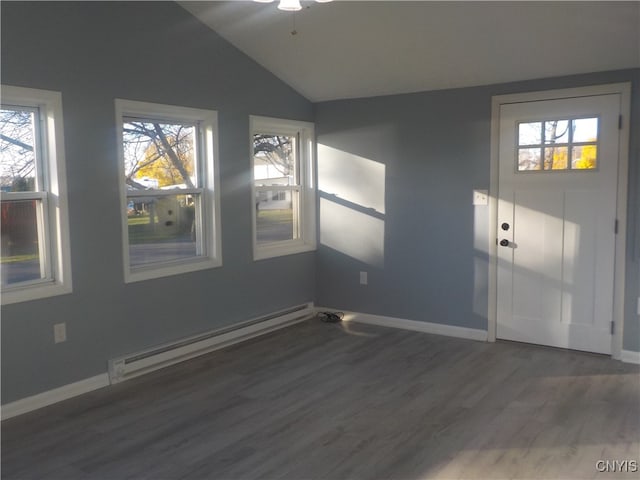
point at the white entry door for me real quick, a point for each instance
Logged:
(558, 168)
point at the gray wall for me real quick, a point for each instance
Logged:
(420, 238)
(155, 52)
(426, 152)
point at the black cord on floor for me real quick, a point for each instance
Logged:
(331, 317)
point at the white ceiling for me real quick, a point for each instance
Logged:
(348, 49)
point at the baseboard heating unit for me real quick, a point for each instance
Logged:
(134, 365)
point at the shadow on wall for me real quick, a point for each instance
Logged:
(352, 204)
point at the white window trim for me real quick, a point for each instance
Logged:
(212, 243)
(49, 104)
(307, 240)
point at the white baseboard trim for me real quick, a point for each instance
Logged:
(425, 327)
(56, 395)
(87, 385)
(146, 361)
(629, 356)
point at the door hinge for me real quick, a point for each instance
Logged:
(613, 328)
(615, 227)
(619, 122)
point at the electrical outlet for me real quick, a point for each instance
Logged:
(363, 278)
(480, 197)
(60, 332)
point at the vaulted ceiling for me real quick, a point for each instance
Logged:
(348, 49)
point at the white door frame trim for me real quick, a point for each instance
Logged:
(624, 90)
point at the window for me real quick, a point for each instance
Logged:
(566, 144)
(283, 190)
(277, 196)
(170, 200)
(35, 225)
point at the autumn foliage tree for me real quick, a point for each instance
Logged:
(564, 156)
(166, 169)
(163, 152)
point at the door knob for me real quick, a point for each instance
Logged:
(504, 242)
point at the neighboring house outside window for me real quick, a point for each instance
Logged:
(35, 226)
(283, 189)
(169, 189)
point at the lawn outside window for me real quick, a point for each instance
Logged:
(283, 201)
(35, 225)
(169, 189)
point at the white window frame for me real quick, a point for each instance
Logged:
(53, 219)
(209, 228)
(305, 133)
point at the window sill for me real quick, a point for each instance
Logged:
(34, 292)
(150, 272)
(277, 250)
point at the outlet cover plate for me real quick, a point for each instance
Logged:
(60, 332)
(481, 197)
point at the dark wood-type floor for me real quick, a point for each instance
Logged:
(344, 401)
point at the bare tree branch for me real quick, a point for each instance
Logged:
(175, 160)
(276, 150)
(16, 142)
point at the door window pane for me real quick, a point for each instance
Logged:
(585, 130)
(529, 159)
(556, 131)
(556, 158)
(564, 145)
(530, 133)
(584, 157)
(20, 242)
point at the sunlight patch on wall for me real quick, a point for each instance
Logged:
(351, 177)
(481, 260)
(351, 232)
(352, 204)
